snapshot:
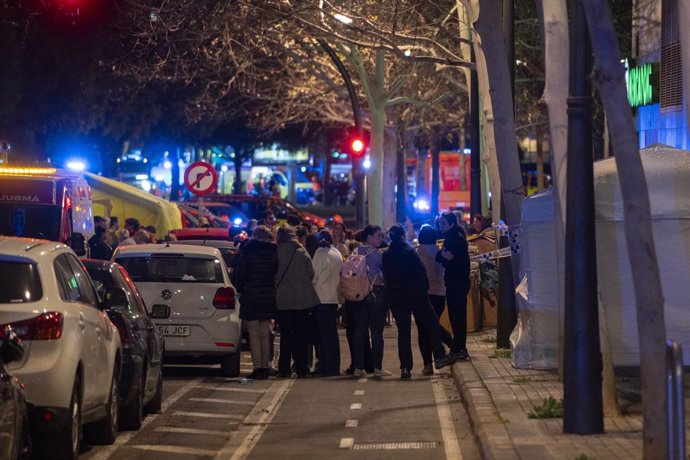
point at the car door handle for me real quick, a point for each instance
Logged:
(82, 323)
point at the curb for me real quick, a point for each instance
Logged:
(494, 441)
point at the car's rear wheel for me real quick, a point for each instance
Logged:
(230, 365)
(66, 443)
(155, 405)
(105, 431)
(133, 414)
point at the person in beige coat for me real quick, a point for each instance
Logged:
(295, 297)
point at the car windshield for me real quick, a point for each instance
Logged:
(20, 282)
(174, 269)
(30, 220)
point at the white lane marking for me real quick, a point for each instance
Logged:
(223, 401)
(173, 429)
(363, 380)
(351, 423)
(394, 445)
(450, 440)
(176, 449)
(238, 390)
(124, 438)
(359, 392)
(355, 406)
(207, 415)
(347, 443)
(258, 419)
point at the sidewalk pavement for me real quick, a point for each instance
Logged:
(498, 398)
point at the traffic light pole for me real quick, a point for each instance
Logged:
(358, 173)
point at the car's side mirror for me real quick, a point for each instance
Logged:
(11, 348)
(160, 312)
(115, 298)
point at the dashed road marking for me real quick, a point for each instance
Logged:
(223, 401)
(176, 450)
(172, 429)
(363, 380)
(395, 446)
(347, 443)
(124, 438)
(237, 390)
(255, 423)
(351, 423)
(355, 406)
(359, 392)
(207, 415)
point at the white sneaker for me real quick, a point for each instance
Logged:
(382, 373)
(361, 373)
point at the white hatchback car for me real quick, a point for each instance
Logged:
(191, 298)
(71, 364)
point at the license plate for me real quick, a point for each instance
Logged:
(175, 331)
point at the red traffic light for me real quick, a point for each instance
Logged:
(357, 146)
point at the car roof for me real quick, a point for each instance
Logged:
(27, 247)
(221, 244)
(200, 233)
(148, 249)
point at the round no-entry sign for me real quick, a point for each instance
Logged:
(200, 178)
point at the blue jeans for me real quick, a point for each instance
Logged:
(370, 317)
(329, 345)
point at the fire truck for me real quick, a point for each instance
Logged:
(47, 203)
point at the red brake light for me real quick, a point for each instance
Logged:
(47, 326)
(224, 299)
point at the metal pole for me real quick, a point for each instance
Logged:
(676, 401)
(357, 163)
(582, 361)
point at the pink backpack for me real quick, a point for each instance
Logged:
(355, 284)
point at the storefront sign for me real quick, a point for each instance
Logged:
(643, 84)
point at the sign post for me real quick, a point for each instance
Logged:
(201, 178)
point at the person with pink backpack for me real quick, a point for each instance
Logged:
(362, 286)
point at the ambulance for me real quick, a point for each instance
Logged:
(47, 203)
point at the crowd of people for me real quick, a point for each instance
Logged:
(301, 280)
(297, 276)
(108, 235)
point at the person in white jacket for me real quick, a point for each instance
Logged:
(327, 262)
(427, 250)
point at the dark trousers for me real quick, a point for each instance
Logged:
(293, 340)
(350, 319)
(419, 306)
(324, 316)
(438, 302)
(370, 318)
(456, 297)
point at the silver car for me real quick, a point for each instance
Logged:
(191, 298)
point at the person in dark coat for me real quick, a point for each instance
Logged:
(407, 286)
(456, 261)
(255, 281)
(98, 246)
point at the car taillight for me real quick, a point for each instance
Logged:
(119, 323)
(47, 326)
(224, 298)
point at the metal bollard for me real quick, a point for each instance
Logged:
(676, 402)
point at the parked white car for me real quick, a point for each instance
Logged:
(71, 364)
(192, 284)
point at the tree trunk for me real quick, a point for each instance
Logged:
(608, 75)
(401, 178)
(390, 157)
(435, 173)
(554, 17)
(488, 24)
(683, 18)
(237, 162)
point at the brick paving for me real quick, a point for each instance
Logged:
(499, 397)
